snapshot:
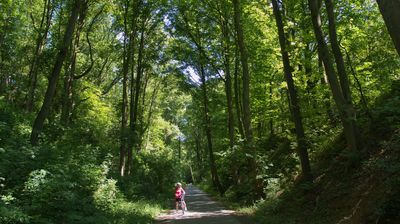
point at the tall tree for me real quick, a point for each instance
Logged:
(53, 78)
(207, 124)
(390, 11)
(341, 69)
(124, 107)
(223, 22)
(134, 89)
(138, 88)
(136, 11)
(245, 69)
(248, 132)
(237, 93)
(70, 76)
(340, 65)
(293, 98)
(345, 109)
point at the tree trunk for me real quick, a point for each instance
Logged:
(271, 122)
(53, 78)
(69, 80)
(66, 106)
(124, 106)
(198, 152)
(132, 112)
(141, 120)
(228, 87)
(138, 84)
(248, 132)
(40, 42)
(228, 79)
(213, 167)
(345, 111)
(390, 11)
(236, 88)
(341, 69)
(293, 98)
(246, 77)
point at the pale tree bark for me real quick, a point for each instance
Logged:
(293, 98)
(345, 110)
(390, 10)
(53, 78)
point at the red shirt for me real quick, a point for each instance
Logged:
(178, 192)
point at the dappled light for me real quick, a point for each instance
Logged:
(201, 209)
(265, 111)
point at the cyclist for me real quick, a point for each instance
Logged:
(180, 197)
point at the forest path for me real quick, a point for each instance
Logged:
(201, 209)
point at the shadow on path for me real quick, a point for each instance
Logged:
(201, 209)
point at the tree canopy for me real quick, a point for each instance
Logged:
(104, 105)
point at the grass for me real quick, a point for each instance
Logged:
(126, 212)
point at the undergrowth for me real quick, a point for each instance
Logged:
(348, 187)
(361, 187)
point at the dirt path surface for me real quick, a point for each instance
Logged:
(201, 209)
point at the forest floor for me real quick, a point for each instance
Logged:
(201, 209)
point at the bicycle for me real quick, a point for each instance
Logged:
(182, 204)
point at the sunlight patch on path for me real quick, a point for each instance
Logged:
(201, 209)
(194, 214)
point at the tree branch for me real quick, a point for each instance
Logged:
(90, 45)
(200, 48)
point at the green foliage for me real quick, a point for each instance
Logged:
(156, 174)
(388, 165)
(10, 213)
(73, 175)
(63, 191)
(387, 112)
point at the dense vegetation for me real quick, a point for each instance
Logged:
(288, 108)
